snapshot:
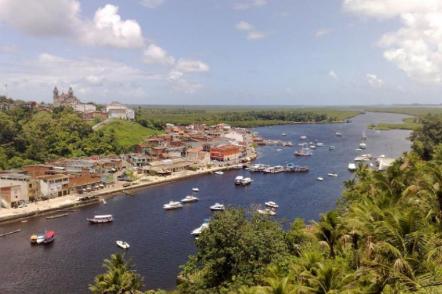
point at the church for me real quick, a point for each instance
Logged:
(69, 99)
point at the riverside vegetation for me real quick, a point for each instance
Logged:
(385, 236)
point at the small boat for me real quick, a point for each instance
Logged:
(362, 145)
(338, 134)
(332, 174)
(122, 244)
(364, 136)
(303, 137)
(200, 229)
(238, 180)
(172, 205)
(284, 134)
(271, 204)
(331, 147)
(217, 207)
(320, 179)
(33, 239)
(39, 239)
(303, 152)
(319, 144)
(101, 219)
(49, 237)
(352, 166)
(195, 189)
(266, 211)
(189, 199)
(219, 173)
(246, 181)
(278, 150)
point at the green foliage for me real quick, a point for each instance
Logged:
(428, 136)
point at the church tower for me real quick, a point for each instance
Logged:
(56, 97)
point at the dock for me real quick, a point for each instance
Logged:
(10, 233)
(57, 216)
(268, 169)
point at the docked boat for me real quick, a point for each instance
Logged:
(201, 228)
(195, 189)
(49, 237)
(100, 219)
(122, 244)
(238, 180)
(303, 152)
(362, 145)
(271, 204)
(172, 205)
(219, 173)
(217, 207)
(189, 199)
(320, 179)
(266, 211)
(331, 147)
(332, 174)
(246, 181)
(352, 166)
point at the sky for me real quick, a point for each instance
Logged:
(223, 52)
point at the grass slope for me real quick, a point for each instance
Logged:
(128, 133)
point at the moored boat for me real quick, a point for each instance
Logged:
(49, 237)
(238, 180)
(266, 211)
(271, 204)
(246, 181)
(352, 166)
(303, 152)
(362, 145)
(100, 219)
(189, 199)
(320, 179)
(219, 173)
(195, 189)
(331, 147)
(303, 137)
(200, 229)
(217, 207)
(332, 174)
(172, 205)
(122, 244)
(338, 134)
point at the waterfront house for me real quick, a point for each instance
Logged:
(52, 186)
(11, 196)
(138, 160)
(227, 152)
(167, 166)
(85, 182)
(28, 187)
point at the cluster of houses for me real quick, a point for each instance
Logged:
(181, 148)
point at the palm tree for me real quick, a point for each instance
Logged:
(328, 231)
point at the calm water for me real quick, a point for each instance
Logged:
(160, 241)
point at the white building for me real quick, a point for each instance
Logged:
(85, 107)
(54, 185)
(117, 110)
(14, 188)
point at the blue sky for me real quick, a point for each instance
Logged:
(250, 52)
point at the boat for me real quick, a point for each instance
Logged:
(364, 136)
(319, 144)
(271, 204)
(189, 199)
(303, 137)
(201, 228)
(278, 150)
(266, 211)
(284, 134)
(362, 145)
(219, 173)
(331, 147)
(122, 244)
(195, 189)
(217, 207)
(172, 205)
(238, 180)
(352, 166)
(37, 239)
(338, 134)
(33, 239)
(320, 179)
(332, 174)
(246, 181)
(303, 152)
(101, 219)
(49, 237)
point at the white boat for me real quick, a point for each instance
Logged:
(195, 189)
(338, 134)
(279, 150)
(200, 229)
(100, 219)
(238, 180)
(331, 147)
(271, 204)
(319, 144)
(332, 174)
(189, 199)
(122, 244)
(320, 179)
(283, 134)
(266, 211)
(246, 181)
(217, 207)
(172, 205)
(40, 239)
(219, 173)
(352, 166)
(362, 145)
(303, 137)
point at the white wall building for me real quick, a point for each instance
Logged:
(54, 185)
(117, 110)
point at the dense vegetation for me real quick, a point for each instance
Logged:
(408, 123)
(384, 237)
(238, 116)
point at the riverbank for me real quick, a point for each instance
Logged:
(60, 204)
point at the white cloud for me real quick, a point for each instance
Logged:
(322, 32)
(151, 3)
(8, 49)
(249, 29)
(374, 81)
(415, 47)
(155, 54)
(332, 74)
(247, 4)
(189, 65)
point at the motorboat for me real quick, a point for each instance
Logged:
(332, 174)
(338, 134)
(303, 137)
(352, 166)
(189, 199)
(195, 189)
(284, 134)
(172, 205)
(362, 145)
(49, 237)
(303, 152)
(319, 144)
(246, 181)
(278, 150)
(238, 180)
(122, 244)
(37, 239)
(99, 219)
(271, 204)
(201, 228)
(312, 146)
(219, 173)
(320, 179)
(266, 211)
(217, 207)
(331, 147)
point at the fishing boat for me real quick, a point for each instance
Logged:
(201, 228)
(362, 145)
(331, 147)
(246, 181)
(195, 189)
(189, 199)
(266, 211)
(271, 204)
(172, 205)
(217, 207)
(320, 179)
(49, 237)
(122, 244)
(352, 166)
(101, 219)
(238, 180)
(219, 173)
(332, 174)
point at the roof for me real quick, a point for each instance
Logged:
(14, 176)
(52, 177)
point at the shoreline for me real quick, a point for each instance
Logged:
(61, 204)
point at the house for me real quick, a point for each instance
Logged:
(12, 196)
(225, 152)
(29, 188)
(85, 182)
(138, 160)
(52, 186)
(167, 166)
(119, 111)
